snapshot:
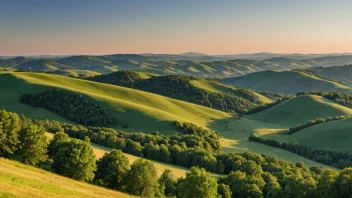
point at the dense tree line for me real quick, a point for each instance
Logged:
(267, 106)
(248, 174)
(73, 107)
(315, 122)
(272, 95)
(338, 97)
(180, 87)
(336, 159)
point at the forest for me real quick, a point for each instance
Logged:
(247, 174)
(74, 107)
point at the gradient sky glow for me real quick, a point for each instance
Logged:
(33, 27)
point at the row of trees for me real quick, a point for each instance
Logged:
(315, 122)
(336, 159)
(339, 97)
(74, 107)
(180, 87)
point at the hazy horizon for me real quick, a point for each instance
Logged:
(39, 27)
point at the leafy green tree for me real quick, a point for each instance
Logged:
(224, 191)
(10, 125)
(326, 185)
(111, 169)
(75, 159)
(142, 179)
(33, 144)
(198, 183)
(54, 144)
(344, 183)
(167, 183)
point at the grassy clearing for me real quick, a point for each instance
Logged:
(19, 180)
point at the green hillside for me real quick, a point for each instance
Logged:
(19, 180)
(272, 123)
(226, 89)
(289, 82)
(141, 111)
(75, 73)
(334, 136)
(339, 73)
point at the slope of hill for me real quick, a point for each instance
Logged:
(272, 123)
(19, 180)
(338, 73)
(334, 136)
(188, 89)
(289, 82)
(139, 110)
(75, 73)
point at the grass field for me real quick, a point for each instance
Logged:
(335, 135)
(288, 82)
(140, 110)
(225, 89)
(19, 180)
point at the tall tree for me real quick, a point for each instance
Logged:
(33, 144)
(344, 183)
(167, 183)
(142, 179)
(75, 159)
(111, 169)
(10, 125)
(54, 144)
(198, 184)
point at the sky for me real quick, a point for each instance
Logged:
(66, 27)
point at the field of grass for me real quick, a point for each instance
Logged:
(19, 180)
(76, 73)
(288, 82)
(222, 88)
(335, 136)
(142, 111)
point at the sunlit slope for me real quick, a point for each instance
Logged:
(335, 135)
(299, 110)
(19, 180)
(225, 89)
(288, 82)
(141, 111)
(76, 73)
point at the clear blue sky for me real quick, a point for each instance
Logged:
(167, 26)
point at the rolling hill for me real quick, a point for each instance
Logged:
(338, 73)
(19, 180)
(203, 92)
(288, 82)
(272, 123)
(188, 64)
(141, 111)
